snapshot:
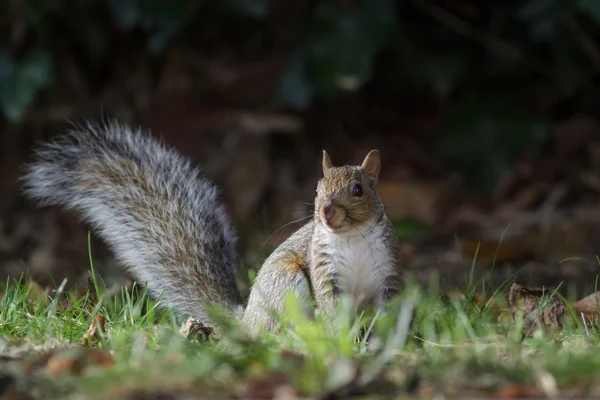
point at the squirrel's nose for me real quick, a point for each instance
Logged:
(328, 212)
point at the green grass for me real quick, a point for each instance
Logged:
(423, 345)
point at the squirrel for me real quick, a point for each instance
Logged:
(166, 224)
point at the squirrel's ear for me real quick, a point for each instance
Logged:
(372, 164)
(326, 162)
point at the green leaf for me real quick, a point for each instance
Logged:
(20, 82)
(409, 227)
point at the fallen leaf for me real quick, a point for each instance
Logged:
(12, 394)
(76, 360)
(537, 307)
(94, 331)
(514, 391)
(194, 329)
(291, 355)
(588, 307)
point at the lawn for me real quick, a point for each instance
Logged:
(123, 345)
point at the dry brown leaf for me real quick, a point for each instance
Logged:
(514, 391)
(94, 331)
(291, 355)
(194, 329)
(76, 360)
(12, 394)
(537, 307)
(588, 307)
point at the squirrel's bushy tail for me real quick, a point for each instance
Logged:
(163, 221)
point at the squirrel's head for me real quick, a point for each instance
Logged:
(347, 197)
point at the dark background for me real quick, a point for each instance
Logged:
(486, 114)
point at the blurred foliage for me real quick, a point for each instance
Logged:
(501, 73)
(485, 134)
(410, 227)
(20, 80)
(337, 48)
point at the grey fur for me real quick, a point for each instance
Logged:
(318, 265)
(284, 271)
(165, 223)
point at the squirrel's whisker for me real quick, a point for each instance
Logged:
(367, 226)
(361, 234)
(283, 226)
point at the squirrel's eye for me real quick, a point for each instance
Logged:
(357, 191)
(316, 192)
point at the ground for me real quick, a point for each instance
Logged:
(513, 342)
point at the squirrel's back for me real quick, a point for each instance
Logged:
(164, 222)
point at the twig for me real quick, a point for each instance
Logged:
(587, 333)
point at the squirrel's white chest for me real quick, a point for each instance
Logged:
(362, 263)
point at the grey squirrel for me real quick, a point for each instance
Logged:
(167, 225)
